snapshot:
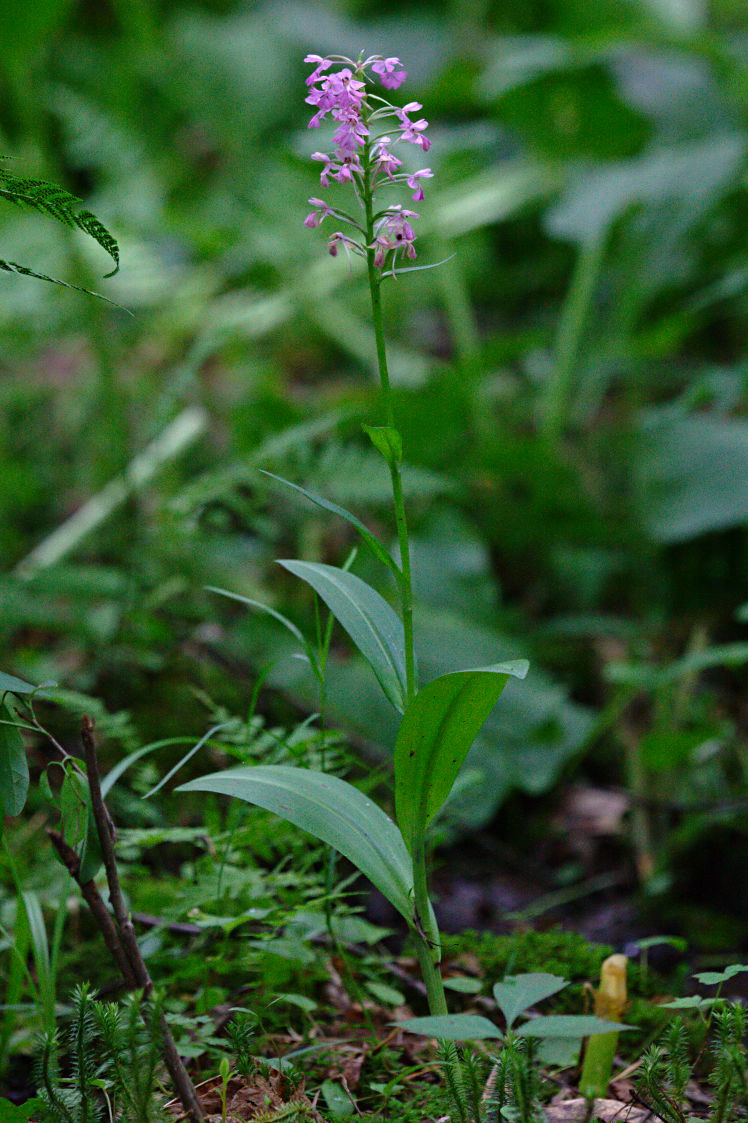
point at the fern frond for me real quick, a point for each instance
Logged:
(55, 201)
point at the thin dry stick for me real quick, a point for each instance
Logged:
(104, 827)
(93, 899)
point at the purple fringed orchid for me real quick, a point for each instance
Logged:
(363, 156)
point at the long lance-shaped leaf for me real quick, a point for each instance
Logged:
(436, 733)
(24, 271)
(371, 623)
(331, 810)
(371, 541)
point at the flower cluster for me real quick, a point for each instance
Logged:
(364, 157)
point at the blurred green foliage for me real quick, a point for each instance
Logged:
(571, 384)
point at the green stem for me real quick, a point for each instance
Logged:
(405, 581)
(574, 314)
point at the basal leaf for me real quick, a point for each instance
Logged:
(372, 624)
(371, 541)
(331, 810)
(436, 733)
(517, 993)
(453, 1027)
(14, 768)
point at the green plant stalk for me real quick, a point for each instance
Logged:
(598, 1065)
(405, 583)
(425, 929)
(555, 405)
(610, 1002)
(17, 955)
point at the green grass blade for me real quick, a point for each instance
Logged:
(371, 541)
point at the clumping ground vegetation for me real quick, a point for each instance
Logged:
(442, 817)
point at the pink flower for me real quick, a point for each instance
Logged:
(323, 64)
(414, 185)
(322, 210)
(413, 130)
(351, 134)
(389, 75)
(386, 161)
(394, 232)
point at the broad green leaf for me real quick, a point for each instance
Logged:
(436, 733)
(333, 811)
(14, 685)
(372, 624)
(453, 1027)
(517, 993)
(14, 768)
(568, 1025)
(371, 541)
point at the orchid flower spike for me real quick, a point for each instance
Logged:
(343, 93)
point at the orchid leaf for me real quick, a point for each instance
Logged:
(331, 810)
(371, 623)
(436, 733)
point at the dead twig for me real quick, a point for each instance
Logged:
(119, 933)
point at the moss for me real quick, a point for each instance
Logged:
(555, 951)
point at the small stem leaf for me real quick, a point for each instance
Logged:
(416, 268)
(517, 993)
(387, 441)
(371, 623)
(371, 541)
(331, 810)
(436, 733)
(453, 1027)
(14, 768)
(568, 1025)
